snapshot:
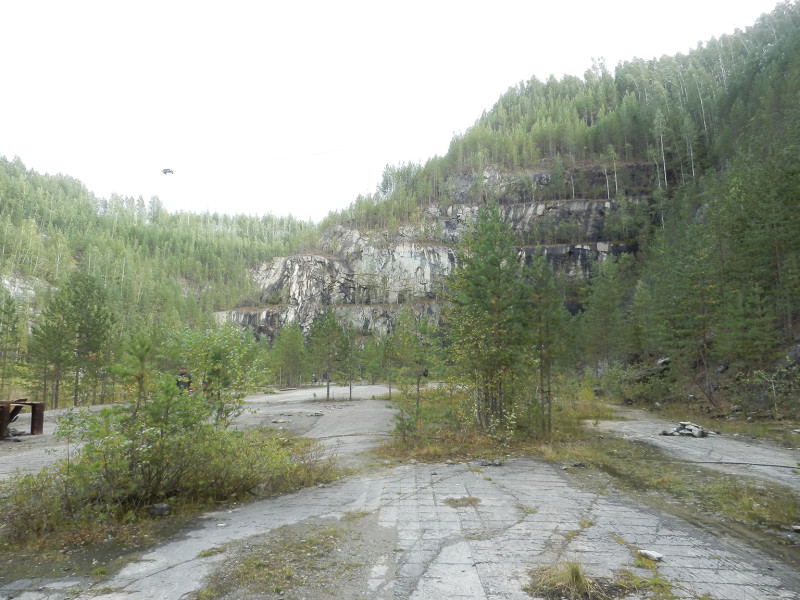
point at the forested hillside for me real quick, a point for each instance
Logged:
(153, 269)
(698, 154)
(695, 155)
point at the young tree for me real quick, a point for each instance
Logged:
(9, 340)
(71, 334)
(221, 360)
(289, 353)
(92, 321)
(137, 355)
(489, 315)
(548, 332)
(411, 351)
(48, 351)
(324, 346)
(374, 357)
(350, 357)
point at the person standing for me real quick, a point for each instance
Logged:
(184, 381)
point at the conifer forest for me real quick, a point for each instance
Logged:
(695, 159)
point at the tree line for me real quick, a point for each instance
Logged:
(696, 154)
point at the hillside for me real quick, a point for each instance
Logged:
(583, 169)
(664, 195)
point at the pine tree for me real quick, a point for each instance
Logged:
(289, 354)
(490, 315)
(324, 346)
(9, 341)
(604, 327)
(548, 324)
(49, 350)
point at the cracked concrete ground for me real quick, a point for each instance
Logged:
(521, 515)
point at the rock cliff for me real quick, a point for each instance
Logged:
(366, 277)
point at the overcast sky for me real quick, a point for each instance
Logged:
(294, 107)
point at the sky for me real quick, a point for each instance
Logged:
(294, 108)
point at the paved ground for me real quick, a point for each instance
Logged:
(447, 531)
(725, 453)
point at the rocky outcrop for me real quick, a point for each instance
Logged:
(364, 318)
(367, 277)
(584, 219)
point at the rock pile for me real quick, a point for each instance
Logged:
(686, 428)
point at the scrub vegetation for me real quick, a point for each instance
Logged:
(692, 161)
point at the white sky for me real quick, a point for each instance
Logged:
(294, 107)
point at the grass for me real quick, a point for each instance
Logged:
(638, 467)
(308, 558)
(567, 580)
(658, 588)
(275, 565)
(89, 551)
(211, 552)
(97, 543)
(463, 501)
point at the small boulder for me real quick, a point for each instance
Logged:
(651, 555)
(687, 429)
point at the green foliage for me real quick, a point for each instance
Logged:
(374, 357)
(548, 331)
(349, 356)
(489, 312)
(289, 355)
(173, 447)
(775, 393)
(222, 361)
(505, 321)
(411, 347)
(624, 383)
(325, 341)
(604, 329)
(10, 342)
(137, 354)
(69, 340)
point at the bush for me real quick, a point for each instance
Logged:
(130, 457)
(775, 394)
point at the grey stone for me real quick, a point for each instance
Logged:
(651, 555)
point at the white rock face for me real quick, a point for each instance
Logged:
(357, 271)
(366, 278)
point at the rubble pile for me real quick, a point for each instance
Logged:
(687, 428)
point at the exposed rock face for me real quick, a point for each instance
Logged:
(586, 217)
(391, 270)
(367, 277)
(365, 280)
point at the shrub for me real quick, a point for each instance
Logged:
(131, 456)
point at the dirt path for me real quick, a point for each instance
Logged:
(421, 531)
